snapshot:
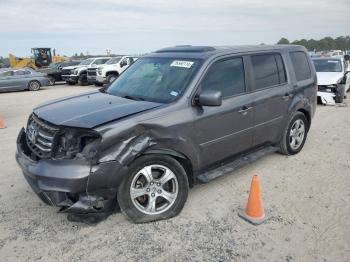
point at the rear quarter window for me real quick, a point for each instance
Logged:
(301, 65)
(268, 70)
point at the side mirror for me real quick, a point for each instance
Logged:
(347, 58)
(209, 98)
(123, 63)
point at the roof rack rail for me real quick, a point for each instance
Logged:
(186, 49)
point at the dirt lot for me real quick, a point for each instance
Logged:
(306, 197)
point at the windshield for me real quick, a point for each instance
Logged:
(86, 62)
(155, 79)
(113, 60)
(101, 61)
(327, 65)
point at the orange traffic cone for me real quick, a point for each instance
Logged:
(254, 212)
(2, 123)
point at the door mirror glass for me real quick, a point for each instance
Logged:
(209, 98)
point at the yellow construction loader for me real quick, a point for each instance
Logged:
(42, 57)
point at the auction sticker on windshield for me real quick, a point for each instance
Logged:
(185, 64)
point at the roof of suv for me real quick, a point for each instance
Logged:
(209, 51)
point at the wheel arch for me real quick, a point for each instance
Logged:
(300, 104)
(112, 73)
(82, 72)
(307, 115)
(180, 157)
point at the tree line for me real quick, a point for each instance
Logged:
(324, 44)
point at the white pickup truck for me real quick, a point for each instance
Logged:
(107, 73)
(333, 78)
(78, 74)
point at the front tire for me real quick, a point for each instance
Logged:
(339, 96)
(294, 136)
(155, 188)
(34, 85)
(111, 78)
(82, 80)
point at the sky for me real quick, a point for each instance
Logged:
(139, 26)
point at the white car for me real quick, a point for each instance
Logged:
(110, 71)
(337, 53)
(333, 79)
(78, 74)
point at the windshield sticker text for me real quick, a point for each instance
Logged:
(185, 64)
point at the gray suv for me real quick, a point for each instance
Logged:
(175, 117)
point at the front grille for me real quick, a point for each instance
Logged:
(40, 137)
(91, 71)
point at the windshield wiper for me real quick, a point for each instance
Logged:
(134, 98)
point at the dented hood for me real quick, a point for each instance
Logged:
(90, 109)
(329, 78)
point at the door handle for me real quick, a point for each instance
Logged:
(244, 110)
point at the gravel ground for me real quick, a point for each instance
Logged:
(306, 198)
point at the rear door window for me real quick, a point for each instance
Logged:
(268, 70)
(301, 65)
(101, 61)
(226, 76)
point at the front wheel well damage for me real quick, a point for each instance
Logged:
(181, 158)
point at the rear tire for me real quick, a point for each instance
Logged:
(34, 85)
(98, 84)
(155, 188)
(294, 135)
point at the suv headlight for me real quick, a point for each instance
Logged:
(77, 143)
(99, 70)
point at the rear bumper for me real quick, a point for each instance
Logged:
(68, 183)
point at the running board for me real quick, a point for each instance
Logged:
(230, 167)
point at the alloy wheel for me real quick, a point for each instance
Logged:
(154, 189)
(297, 134)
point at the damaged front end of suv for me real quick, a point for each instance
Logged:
(71, 156)
(66, 165)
